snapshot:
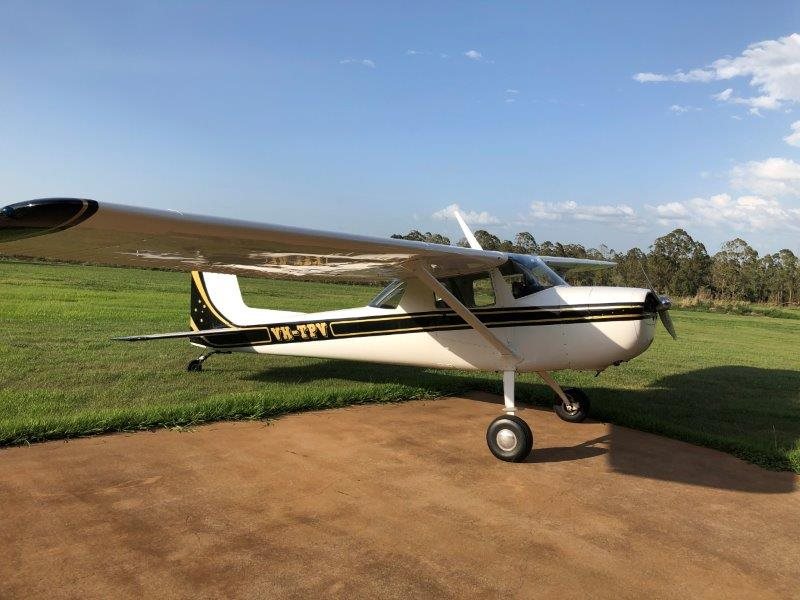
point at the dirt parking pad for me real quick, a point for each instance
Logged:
(399, 500)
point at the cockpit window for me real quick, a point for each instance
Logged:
(528, 274)
(390, 296)
(473, 291)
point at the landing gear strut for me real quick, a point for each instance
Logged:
(571, 404)
(509, 438)
(197, 363)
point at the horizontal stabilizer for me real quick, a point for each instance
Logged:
(176, 335)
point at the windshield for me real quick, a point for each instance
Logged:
(528, 274)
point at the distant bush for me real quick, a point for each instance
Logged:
(736, 307)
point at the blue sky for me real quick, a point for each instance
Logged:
(585, 122)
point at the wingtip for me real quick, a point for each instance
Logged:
(43, 215)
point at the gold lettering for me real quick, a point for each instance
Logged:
(303, 331)
(312, 330)
(323, 329)
(287, 333)
(276, 331)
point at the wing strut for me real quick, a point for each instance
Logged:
(465, 313)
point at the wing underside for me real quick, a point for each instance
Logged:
(86, 231)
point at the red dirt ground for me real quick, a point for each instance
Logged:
(400, 500)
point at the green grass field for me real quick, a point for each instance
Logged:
(730, 382)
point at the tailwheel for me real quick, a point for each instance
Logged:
(509, 438)
(197, 363)
(579, 406)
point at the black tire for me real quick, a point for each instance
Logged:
(579, 400)
(509, 438)
(195, 365)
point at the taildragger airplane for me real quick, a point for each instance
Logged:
(446, 307)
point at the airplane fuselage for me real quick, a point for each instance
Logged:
(561, 327)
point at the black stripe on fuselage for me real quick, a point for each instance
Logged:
(431, 321)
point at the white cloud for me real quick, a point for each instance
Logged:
(743, 213)
(772, 177)
(619, 214)
(510, 100)
(473, 55)
(693, 75)
(748, 213)
(724, 95)
(472, 217)
(512, 91)
(364, 62)
(755, 104)
(793, 139)
(773, 67)
(758, 208)
(680, 109)
(414, 52)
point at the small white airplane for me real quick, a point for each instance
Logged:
(446, 307)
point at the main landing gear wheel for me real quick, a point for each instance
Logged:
(509, 438)
(580, 406)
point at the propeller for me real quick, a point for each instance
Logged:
(663, 314)
(662, 306)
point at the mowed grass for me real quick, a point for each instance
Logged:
(730, 382)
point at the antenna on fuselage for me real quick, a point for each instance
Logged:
(471, 240)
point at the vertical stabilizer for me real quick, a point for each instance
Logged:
(204, 313)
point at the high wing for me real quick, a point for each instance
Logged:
(87, 231)
(564, 264)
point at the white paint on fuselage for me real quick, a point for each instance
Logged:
(544, 347)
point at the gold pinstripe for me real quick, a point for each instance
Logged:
(480, 312)
(332, 325)
(198, 281)
(564, 320)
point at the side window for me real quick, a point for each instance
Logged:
(483, 291)
(474, 291)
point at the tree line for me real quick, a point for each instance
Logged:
(675, 264)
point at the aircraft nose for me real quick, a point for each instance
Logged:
(647, 333)
(46, 215)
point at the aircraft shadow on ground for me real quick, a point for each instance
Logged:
(698, 395)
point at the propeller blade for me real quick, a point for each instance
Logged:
(471, 240)
(663, 309)
(667, 321)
